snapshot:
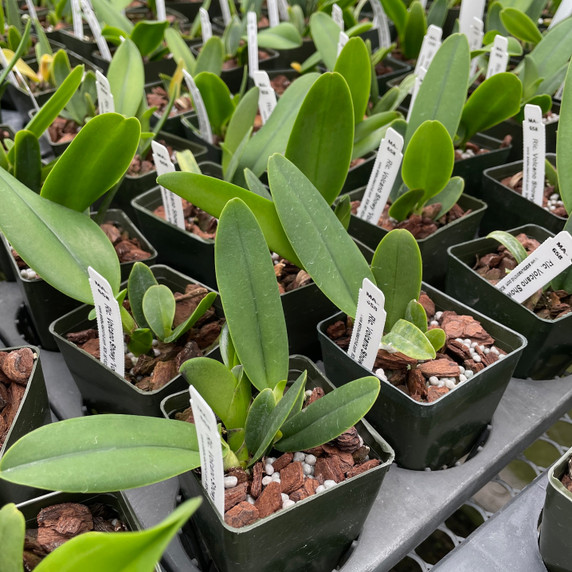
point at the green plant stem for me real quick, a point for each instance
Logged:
(105, 204)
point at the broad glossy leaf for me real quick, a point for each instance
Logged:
(108, 14)
(408, 339)
(279, 415)
(95, 161)
(228, 174)
(211, 57)
(197, 314)
(140, 280)
(415, 29)
(405, 204)
(449, 196)
(19, 51)
(327, 252)
(397, 268)
(274, 134)
(147, 36)
(329, 416)
(321, 141)
(28, 160)
(102, 453)
(437, 13)
(563, 142)
(354, 66)
(212, 194)
(256, 185)
(520, 25)
(284, 36)
(397, 13)
(444, 89)
(125, 552)
(220, 389)
(257, 419)
(217, 99)
(159, 310)
(325, 33)
(250, 297)
(429, 158)
(415, 313)
(437, 338)
(343, 211)
(510, 243)
(370, 135)
(12, 531)
(180, 50)
(227, 350)
(58, 243)
(126, 79)
(140, 341)
(484, 109)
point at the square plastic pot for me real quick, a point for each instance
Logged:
(84, 47)
(432, 435)
(101, 388)
(312, 535)
(33, 412)
(549, 351)
(45, 303)
(509, 209)
(434, 246)
(554, 543)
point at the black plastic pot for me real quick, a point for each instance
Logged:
(314, 534)
(45, 303)
(433, 247)
(509, 209)
(432, 435)
(400, 70)
(34, 411)
(173, 123)
(5, 264)
(84, 47)
(554, 543)
(190, 8)
(214, 152)
(549, 350)
(101, 388)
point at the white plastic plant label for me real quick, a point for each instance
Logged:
(498, 58)
(368, 325)
(109, 326)
(343, 39)
(381, 24)
(429, 47)
(225, 11)
(476, 34)
(266, 95)
(32, 9)
(161, 11)
(210, 450)
(551, 258)
(206, 28)
(104, 95)
(563, 12)
(202, 115)
(252, 33)
(560, 92)
(470, 9)
(534, 152)
(419, 77)
(76, 19)
(383, 175)
(338, 16)
(273, 14)
(423, 4)
(95, 28)
(283, 9)
(172, 203)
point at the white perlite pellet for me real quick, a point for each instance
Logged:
(266, 480)
(288, 503)
(285, 497)
(310, 459)
(308, 469)
(230, 482)
(328, 484)
(299, 457)
(269, 469)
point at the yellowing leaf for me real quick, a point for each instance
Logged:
(21, 66)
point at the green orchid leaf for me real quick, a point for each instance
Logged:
(429, 158)
(414, 32)
(28, 160)
(328, 417)
(551, 175)
(438, 13)
(126, 79)
(109, 141)
(535, 8)
(370, 136)
(178, 47)
(274, 134)
(250, 297)
(111, 16)
(102, 453)
(448, 197)
(147, 36)
(354, 66)
(415, 313)
(258, 418)
(228, 174)
(437, 338)
(397, 268)
(141, 550)
(256, 185)
(530, 78)
(514, 47)
(397, 13)
(12, 532)
(284, 36)
(198, 313)
(278, 416)
(212, 194)
(403, 206)
(408, 339)
(484, 109)
(327, 252)
(58, 243)
(321, 141)
(140, 341)
(211, 57)
(19, 51)
(226, 396)
(444, 89)
(187, 162)
(510, 243)
(343, 211)
(325, 33)
(520, 26)
(239, 125)
(140, 280)
(227, 350)
(217, 99)
(159, 310)
(13, 15)
(563, 140)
